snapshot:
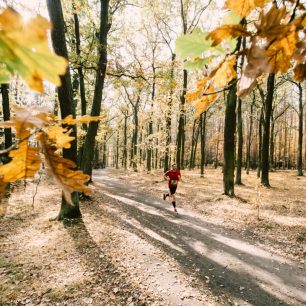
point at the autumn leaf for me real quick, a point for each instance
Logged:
(280, 53)
(24, 48)
(300, 72)
(203, 103)
(84, 119)
(62, 170)
(24, 120)
(60, 136)
(24, 164)
(226, 31)
(225, 73)
(244, 7)
(256, 64)
(270, 24)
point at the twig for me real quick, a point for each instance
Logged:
(39, 179)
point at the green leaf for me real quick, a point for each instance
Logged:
(197, 63)
(193, 44)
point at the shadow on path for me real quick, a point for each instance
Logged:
(203, 249)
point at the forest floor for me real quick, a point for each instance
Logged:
(131, 249)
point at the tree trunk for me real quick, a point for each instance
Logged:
(300, 146)
(266, 131)
(272, 142)
(248, 157)
(229, 142)
(192, 144)
(8, 140)
(260, 124)
(203, 132)
(240, 145)
(195, 147)
(124, 159)
(99, 85)
(117, 150)
(181, 126)
(65, 97)
(169, 114)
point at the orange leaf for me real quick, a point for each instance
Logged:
(300, 72)
(280, 53)
(24, 164)
(225, 31)
(244, 7)
(61, 168)
(225, 73)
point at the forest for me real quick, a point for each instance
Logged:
(101, 102)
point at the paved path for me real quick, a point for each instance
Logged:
(217, 258)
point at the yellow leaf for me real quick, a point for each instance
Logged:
(203, 103)
(225, 73)
(225, 31)
(244, 7)
(24, 121)
(24, 48)
(280, 53)
(24, 164)
(60, 136)
(61, 168)
(84, 119)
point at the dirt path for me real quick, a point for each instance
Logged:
(208, 255)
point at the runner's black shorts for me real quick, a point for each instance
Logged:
(172, 189)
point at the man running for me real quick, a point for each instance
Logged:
(173, 176)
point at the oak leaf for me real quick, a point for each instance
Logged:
(24, 164)
(256, 64)
(270, 24)
(62, 169)
(225, 73)
(24, 120)
(226, 31)
(280, 53)
(60, 136)
(84, 119)
(244, 7)
(24, 48)
(300, 72)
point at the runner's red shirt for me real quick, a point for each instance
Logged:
(174, 177)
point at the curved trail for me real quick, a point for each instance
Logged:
(221, 260)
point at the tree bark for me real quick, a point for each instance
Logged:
(8, 139)
(181, 126)
(248, 157)
(266, 131)
(65, 96)
(260, 124)
(300, 141)
(240, 145)
(89, 144)
(203, 132)
(229, 142)
(169, 114)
